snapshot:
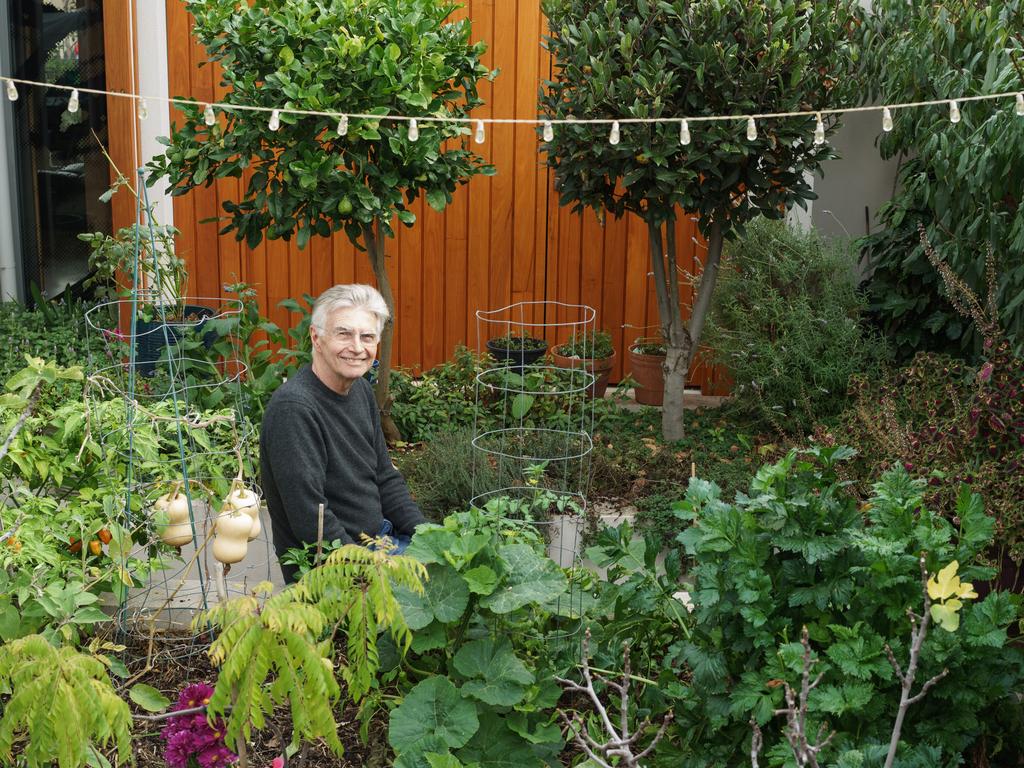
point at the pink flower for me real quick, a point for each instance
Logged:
(277, 762)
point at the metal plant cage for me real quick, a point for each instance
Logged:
(166, 405)
(532, 435)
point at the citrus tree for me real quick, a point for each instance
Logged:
(681, 59)
(315, 175)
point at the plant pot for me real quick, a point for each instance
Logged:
(150, 338)
(516, 357)
(650, 377)
(601, 368)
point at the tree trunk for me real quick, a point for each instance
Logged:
(666, 283)
(375, 251)
(681, 341)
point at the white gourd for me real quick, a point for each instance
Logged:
(230, 543)
(229, 551)
(178, 530)
(257, 526)
(245, 500)
(176, 535)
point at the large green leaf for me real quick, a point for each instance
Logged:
(495, 746)
(444, 598)
(498, 677)
(530, 578)
(432, 718)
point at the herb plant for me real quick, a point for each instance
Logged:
(588, 346)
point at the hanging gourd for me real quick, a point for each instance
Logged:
(178, 530)
(231, 535)
(242, 499)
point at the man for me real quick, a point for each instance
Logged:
(321, 441)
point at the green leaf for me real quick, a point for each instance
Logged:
(521, 405)
(502, 676)
(286, 55)
(148, 697)
(432, 712)
(530, 578)
(430, 637)
(445, 597)
(481, 580)
(496, 746)
(437, 199)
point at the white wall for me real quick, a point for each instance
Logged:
(151, 30)
(853, 187)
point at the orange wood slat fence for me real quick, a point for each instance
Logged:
(504, 239)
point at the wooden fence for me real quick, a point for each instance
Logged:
(504, 239)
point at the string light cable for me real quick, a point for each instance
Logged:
(546, 124)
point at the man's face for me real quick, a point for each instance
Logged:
(344, 350)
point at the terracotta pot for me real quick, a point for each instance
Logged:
(600, 367)
(650, 377)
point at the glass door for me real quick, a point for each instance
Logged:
(58, 156)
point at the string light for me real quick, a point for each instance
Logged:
(954, 112)
(143, 109)
(547, 125)
(73, 102)
(414, 130)
(684, 132)
(613, 135)
(275, 120)
(208, 116)
(479, 137)
(751, 129)
(342, 128)
(819, 131)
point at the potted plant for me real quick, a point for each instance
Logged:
(161, 303)
(647, 360)
(592, 352)
(517, 349)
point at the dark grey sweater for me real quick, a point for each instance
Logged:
(317, 446)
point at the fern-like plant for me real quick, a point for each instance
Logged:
(353, 590)
(279, 650)
(268, 654)
(61, 706)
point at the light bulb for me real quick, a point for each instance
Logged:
(1020, 104)
(819, 131)
(613, 136)
(414, 130)
(143, 109)
(275, 120)
(954, 112)
(684, 132)
(549, 131)
(12, 91)
(342, 128)
(479, 137)
(886, 119)
(751, 129)
(210, 118)
(73, 101)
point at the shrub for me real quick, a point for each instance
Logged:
(798, 551)
(963, 180)
(786, 322)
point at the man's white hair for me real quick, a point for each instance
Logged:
(356, 296)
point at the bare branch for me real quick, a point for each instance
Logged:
(619, 743)
(926, 686)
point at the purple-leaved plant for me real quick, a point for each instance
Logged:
(191, 740)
